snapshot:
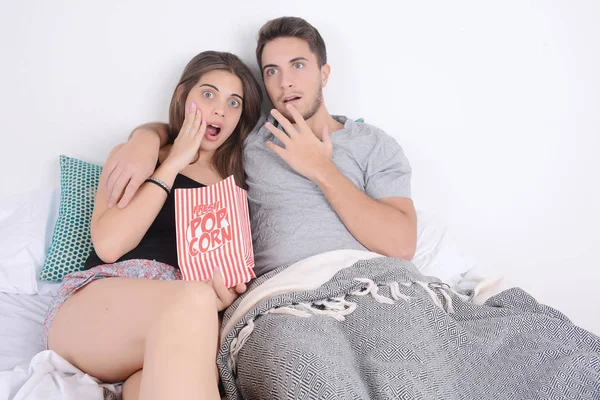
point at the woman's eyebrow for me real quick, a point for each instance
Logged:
(209, 85)
(217, 89)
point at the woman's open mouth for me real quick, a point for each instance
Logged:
(212, 132)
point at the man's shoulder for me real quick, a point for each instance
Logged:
(366, 133)
(259, 132)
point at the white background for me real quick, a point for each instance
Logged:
(497, 105)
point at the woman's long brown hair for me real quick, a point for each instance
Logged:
(228, 158)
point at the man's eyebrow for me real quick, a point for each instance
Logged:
(217, 89)
(269, 66)
(293, 60)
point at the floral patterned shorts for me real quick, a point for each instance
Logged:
(137, 269)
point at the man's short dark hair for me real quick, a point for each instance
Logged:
(291, 27)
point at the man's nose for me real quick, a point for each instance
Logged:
(286, 81)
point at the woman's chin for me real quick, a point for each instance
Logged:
(207, 146)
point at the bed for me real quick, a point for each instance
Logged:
(26, 225)
(21, 318)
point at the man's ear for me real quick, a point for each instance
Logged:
(325, 71)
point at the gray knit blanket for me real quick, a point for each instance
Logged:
(378, 329)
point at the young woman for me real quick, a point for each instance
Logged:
(127, 316)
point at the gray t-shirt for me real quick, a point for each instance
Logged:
(290, 217)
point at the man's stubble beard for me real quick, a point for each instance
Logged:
(316, 104)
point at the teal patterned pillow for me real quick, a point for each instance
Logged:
(71, 240)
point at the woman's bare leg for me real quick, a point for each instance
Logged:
(181, 348)
(114, 327)
(131, 387)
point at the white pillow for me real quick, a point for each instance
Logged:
(438, 252)
(26, 225)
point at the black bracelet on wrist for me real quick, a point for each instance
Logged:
(160, 184)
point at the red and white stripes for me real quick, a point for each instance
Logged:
(213, 231)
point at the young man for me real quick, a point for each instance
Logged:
(316, 182)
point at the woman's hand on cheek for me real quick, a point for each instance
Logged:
(185, 148)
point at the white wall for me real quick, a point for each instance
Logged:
(497, 105)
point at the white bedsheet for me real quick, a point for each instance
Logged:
(27, 371)
(49, 376)
(21, 319)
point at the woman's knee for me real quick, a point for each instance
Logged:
(198, 296)
(193, 305)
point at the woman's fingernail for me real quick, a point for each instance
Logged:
(193, 105)
(197, 111)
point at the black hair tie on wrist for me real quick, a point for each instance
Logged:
(160, 184)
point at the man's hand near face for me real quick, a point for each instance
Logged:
(303, 151)
(387, 226)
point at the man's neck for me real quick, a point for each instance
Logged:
(322, 119)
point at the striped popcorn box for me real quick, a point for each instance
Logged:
(213, 230)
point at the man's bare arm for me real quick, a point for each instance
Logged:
(134, 162)
(153, 128)
(387, 226)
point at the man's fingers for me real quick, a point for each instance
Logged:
(276, 149)
(278, 133)
(108, 169)
(111, 192)
(118, 190)
(287, 125)
(112, 171)
(131, 189)
(298, 118)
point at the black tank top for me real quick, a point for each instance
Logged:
(160, 241)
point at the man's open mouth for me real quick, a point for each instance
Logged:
(291, 99)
